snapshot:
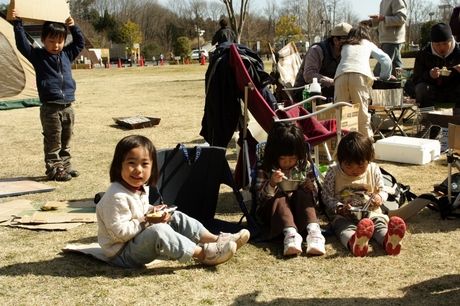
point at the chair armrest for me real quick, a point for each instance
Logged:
(304, 101)
(334, 105)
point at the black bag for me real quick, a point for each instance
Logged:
(442, 206)
(397, 192)
(442, 188)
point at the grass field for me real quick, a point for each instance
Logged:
(34, 270)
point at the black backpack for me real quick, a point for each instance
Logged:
(397, 192)
(442, 188)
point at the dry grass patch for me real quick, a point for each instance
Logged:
(34, 271)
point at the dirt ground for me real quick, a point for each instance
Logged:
(34, 270)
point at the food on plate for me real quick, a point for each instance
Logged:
(155, 215)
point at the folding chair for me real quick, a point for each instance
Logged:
(453, 146)
(285, 66)
(190, 178)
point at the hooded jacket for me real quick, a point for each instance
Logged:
(427, 59)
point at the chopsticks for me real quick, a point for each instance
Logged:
(284, 176)
(366, 206)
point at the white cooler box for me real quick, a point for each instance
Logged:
(408, 150)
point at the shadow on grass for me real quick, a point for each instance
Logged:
(444, 290)
(82, 265)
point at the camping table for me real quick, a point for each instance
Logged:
(395, 118)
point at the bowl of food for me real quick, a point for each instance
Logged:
(289, 185)
(445, 72)
(358, 213)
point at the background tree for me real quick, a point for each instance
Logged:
(130, 35)
(182, 47)
(425, 32)
(237, 21)
(287, 29)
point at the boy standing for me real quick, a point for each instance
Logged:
(56, 89)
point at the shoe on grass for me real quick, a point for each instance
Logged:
(239, 238)
(61, 175)
(74, 173)
(396, 232)
(217, 253)
(359, 241)
(315, 243)
(292, 244)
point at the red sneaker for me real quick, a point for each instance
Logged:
(396, 232)
(359, 241)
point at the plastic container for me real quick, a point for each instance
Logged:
(407, 150)
(315, 88)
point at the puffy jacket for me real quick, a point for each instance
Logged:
(53, 72)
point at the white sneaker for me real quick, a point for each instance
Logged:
(217, 253)
(240, 238)
(315, 242)
(292, 244)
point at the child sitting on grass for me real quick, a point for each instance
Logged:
(130, 238)
(352, 182)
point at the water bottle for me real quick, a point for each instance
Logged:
(306, 92)
(305, 96)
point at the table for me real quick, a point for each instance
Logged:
(389, 111)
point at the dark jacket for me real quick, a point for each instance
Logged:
(53, 72)
(425, 60)
(223, 35)
(328, 65)
(222, 105)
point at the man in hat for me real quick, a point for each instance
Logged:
(432, 85)
(390, 21)
(322, 60)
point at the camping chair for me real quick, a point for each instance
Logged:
(453, 146)
(286, 64)
(190, 178)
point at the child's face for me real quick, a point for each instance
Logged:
(287, 162)
(136, 167)
(53, 45)
(353, 169)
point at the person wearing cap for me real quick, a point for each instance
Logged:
(390, 21)
(443, 53)
(322, 59)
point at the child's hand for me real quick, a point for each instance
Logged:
(276, 177)
(376, 200)
(69, 22)
(344, 210)
(307, 185)
(14, 14)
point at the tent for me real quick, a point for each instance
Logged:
(18, 88)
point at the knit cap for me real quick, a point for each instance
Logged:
(441, 32)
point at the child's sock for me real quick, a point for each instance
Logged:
(313, 227)
(289, 231)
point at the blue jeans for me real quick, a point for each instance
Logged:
(176, 240)
(394, 52)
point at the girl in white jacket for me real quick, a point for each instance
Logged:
(127, 232)
(354, 78)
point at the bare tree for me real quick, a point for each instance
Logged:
(237, 20)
